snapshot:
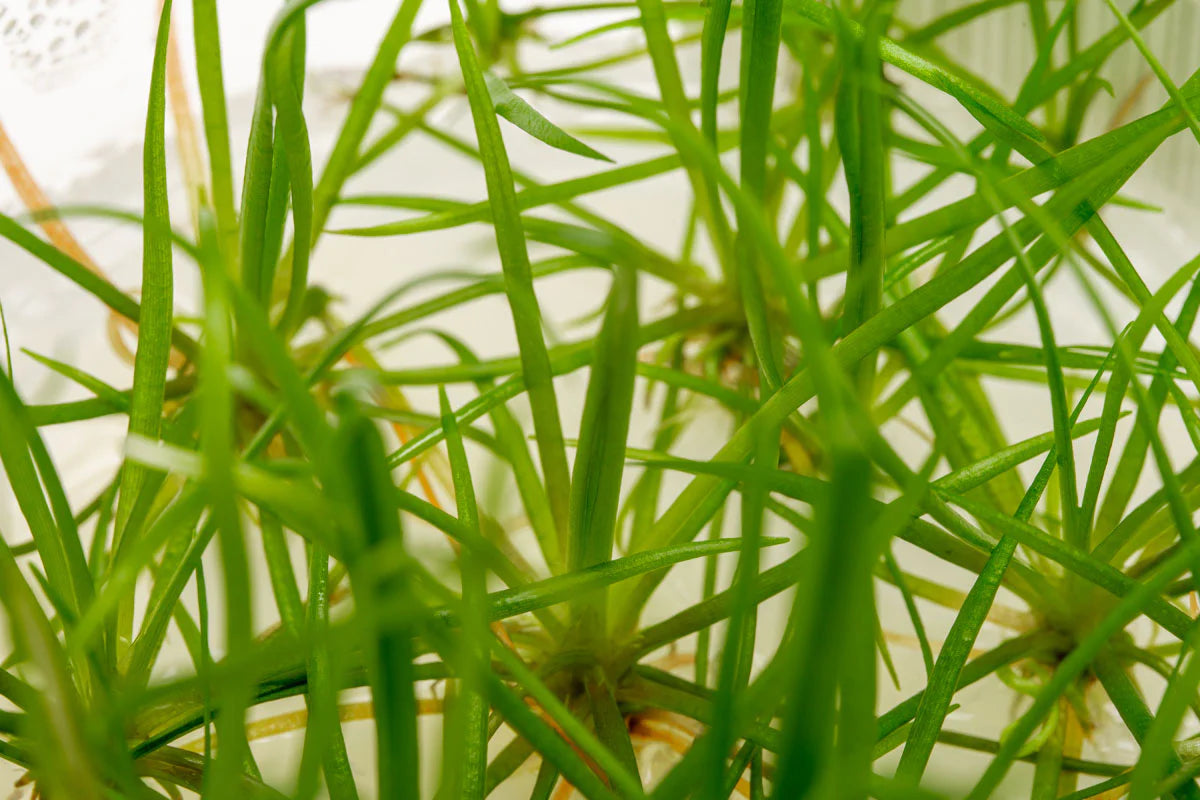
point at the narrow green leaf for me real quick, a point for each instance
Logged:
(8, 362)
(256, 192)
(324, 733)
(1129, 703)
(737, 654)
(901, 583)
(626, 785)
(610, 722)
(599, 458)
(1139, 598)
(549, 742)
(86, 279)
(368, 486)
(514, 109)
(955, 18)
(28, 469)
(281, 572)
(278, 200)
(560, 588)
(1158, 739)
(121, 579)
(661, 49)
(974, 99)
(216, 125)
(861, 121)
(362, 110)
(64, 759)
(464, 765)
(510, 240)
(1001, 461)
(1159, 71)
(102, 390)
(527, 199)
(157, 293)
(215, 398)
(1133, 337)
(712, 44)
(760, 55)
(1097, 52)
(825, 647)
(287, 92)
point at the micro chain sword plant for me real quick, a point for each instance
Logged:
(752, 521)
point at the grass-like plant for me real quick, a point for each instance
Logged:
(811, 328)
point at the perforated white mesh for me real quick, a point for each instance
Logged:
(46, 39)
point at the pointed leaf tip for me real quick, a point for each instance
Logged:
(514, 109)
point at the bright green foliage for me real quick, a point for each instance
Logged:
(565, 583)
